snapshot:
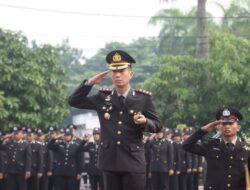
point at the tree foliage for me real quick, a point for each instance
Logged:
(31, 88)
(189, 90)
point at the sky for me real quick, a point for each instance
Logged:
(88, 25)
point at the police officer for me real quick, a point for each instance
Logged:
(47, 160)
(124, 114)
(66, 165)
(226, 157)
(161, 163)
(95, 174)
(18, 158)
(36, 161)
(51, 135)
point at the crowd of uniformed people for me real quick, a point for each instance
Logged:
(31, 159)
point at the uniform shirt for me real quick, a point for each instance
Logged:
(225, 168)
(122, 148)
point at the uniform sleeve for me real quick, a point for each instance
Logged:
(191, 144)
(80, 99)
(171, 155)
(40, 159)
(28, 158)
(153, 121)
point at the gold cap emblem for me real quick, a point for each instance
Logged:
(117, 57)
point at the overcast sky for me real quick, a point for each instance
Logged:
(88, 24)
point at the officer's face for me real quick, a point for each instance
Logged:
(96, 137)
(229, 129)
(121, 77)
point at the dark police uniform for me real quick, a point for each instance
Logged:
(18, 158)
(122, 151)
(36, 163)
(66, 164)
(225, 167)
(161, 161)
(95, 174)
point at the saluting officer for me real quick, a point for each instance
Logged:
(226, 157)
(18, 158)
(124, 115)
(66, 164)
(95, 174)
(161, 162)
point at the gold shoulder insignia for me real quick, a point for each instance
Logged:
(105, 90)
(144, 92)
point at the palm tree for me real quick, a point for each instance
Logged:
(202, 42)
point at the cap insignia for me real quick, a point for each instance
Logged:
(117, 57)
(226, 112)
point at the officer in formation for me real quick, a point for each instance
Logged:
(170, 166)
(95, 174)
(161, 161)
(227, 157)
(33, 160)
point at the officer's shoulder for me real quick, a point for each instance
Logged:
(144, 92)
(105, 90)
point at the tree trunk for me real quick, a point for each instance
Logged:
(202, 42)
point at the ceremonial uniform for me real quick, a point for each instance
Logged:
(66, 164)
(121, 149)
(18, 162)
(225, 167)
(161, 161)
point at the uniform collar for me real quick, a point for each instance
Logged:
(125, 94)
(233, 141)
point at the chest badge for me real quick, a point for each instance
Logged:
(107, 116)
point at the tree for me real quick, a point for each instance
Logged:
(31, 88)
(180, 91)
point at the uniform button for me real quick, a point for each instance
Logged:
(157, 158)
(118, 142)
(210, 187)
(119, 132)
(119, 122)
(229, 176)
(121, 112)
(13, 160)
(231, 157)
(137, 147)
(229, 185)
(66, 158)
(217, 156)
(230, 166)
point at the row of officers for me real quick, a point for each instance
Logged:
(33, 160)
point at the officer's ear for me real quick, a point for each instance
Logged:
(238, 127)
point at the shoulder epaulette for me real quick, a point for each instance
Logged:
(105, 90)
(144, 92)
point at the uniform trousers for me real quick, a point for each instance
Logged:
(124, 180)
(96, 181)
(43, 182)
(16, 182)
(174, 182)
(160, 180)
(32, 183)
(65, 182)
